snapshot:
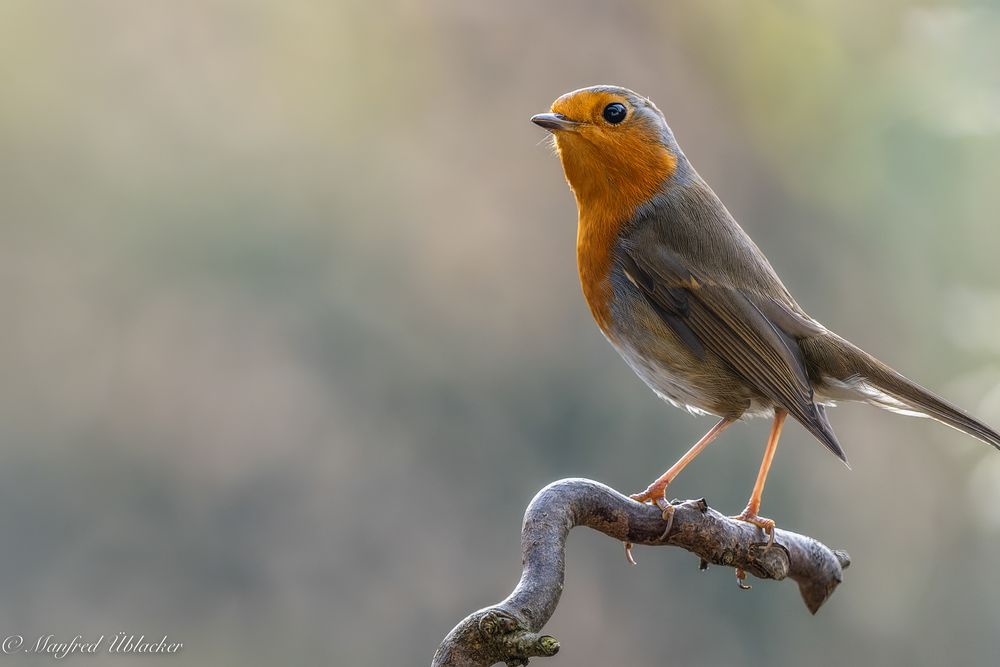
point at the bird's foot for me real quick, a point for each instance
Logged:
(765, 524)
(668, 515)
(654, 493)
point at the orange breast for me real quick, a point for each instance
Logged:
(610, 177)
(595, 238)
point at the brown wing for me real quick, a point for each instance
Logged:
(724, 321)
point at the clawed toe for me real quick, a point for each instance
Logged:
(741, 576)
(668, 515)
(765, 524)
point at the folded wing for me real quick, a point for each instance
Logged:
(713, 318)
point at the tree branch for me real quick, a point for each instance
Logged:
(508, 632)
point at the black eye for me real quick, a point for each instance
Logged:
(615, 113)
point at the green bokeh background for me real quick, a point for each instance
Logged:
(292, 330)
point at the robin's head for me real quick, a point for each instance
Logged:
(614, 145)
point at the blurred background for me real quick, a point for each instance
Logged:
(292, 328)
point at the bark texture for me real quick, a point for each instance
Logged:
(508, 632)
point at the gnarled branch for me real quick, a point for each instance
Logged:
(508, 632)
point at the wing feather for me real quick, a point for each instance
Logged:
(727, 322)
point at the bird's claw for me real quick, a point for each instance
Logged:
(628, 554)
(668, 515)
(741, 576)
(765, 524)
(667, 512)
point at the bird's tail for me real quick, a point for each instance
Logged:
(860, 376)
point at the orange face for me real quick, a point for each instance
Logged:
(612, 146)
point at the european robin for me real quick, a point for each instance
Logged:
(691, 303)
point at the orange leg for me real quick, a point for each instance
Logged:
(657, 490)
(753, 506)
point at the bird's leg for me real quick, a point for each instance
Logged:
(656, 491)
(753, 506)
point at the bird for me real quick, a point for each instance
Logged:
(692, 304)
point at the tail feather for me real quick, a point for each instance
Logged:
(924, 402)
(880, 385)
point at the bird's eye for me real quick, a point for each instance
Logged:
(615, 113)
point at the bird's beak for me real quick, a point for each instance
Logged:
(554, 122)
